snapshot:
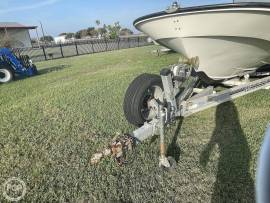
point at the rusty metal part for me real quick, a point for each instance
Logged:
(162, 149)
(194, 61)
(118, 149)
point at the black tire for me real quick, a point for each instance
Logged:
(137, 95)
(35, 71)
(6, 75)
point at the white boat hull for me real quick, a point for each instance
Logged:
(228, 41)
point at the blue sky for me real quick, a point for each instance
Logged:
(72, 15)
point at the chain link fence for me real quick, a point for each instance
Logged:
(76, 48)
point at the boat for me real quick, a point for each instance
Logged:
(226, 40)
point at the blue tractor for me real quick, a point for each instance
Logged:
(11, 65)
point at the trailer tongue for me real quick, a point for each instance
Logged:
(153, 103)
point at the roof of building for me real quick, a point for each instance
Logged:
(14, 25)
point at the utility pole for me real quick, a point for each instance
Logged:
(37, 38)
(42, 29)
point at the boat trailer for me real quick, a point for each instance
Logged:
(182, 95)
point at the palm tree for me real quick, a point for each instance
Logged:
(97, 22)
(98, 30)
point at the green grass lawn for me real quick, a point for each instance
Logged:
(51, 124)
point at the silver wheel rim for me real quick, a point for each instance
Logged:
(148, 111)
(5, 75)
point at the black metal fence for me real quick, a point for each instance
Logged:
(56, 51)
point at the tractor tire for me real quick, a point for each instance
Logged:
(35, 71)
(6, 74)
(144, 88)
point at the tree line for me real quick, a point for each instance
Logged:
(106, 31)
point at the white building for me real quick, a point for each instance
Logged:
(60, 39)
(16, 33)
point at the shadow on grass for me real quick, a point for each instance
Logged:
(42, 72)
(52, 69)
(233, 181)
(173, 149)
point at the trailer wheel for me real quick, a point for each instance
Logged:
(6, 75)
(136, 103)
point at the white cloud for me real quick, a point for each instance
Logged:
(28, 7)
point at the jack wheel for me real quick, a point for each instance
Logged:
(142, 90)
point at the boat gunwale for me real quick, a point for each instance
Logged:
(205, 8)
